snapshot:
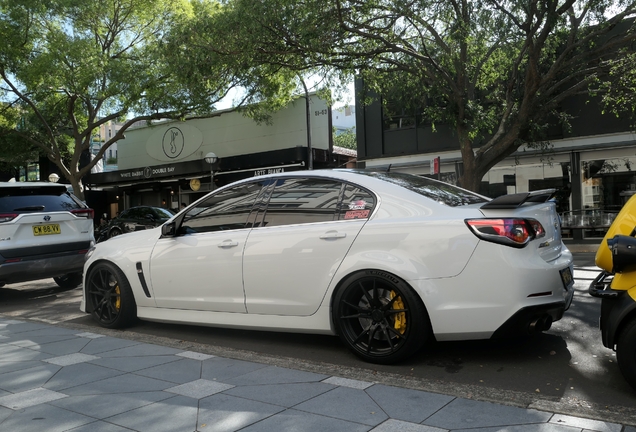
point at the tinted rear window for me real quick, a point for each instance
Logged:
(26, 200)
(437, 191)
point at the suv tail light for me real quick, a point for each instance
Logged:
(87, 213)
(6, 217)
(510, 232)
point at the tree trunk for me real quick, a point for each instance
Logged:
(471, 177)
(78, 189)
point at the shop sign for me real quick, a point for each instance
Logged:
(259, 172)
(147, 172)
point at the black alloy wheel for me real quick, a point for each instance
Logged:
(110, 299)
(69, 281)
(626, 352)
(379, 317)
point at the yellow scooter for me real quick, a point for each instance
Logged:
(616, 286)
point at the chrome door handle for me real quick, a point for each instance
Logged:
(333, 235)
(227, 243)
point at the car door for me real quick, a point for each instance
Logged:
(304, 235)
(201, 268)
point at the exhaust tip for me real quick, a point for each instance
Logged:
(540, 324)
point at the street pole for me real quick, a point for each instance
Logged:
(308, 114)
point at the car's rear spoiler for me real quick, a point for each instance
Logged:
(517, 200)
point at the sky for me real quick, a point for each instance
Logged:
(349, 99)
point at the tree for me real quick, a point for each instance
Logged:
(619, 93)
(346, 139)
(496, 71)
(14, 151)
(70, 66)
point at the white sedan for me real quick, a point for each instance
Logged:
(385, 260)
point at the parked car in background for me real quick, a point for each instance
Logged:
(387, 261)
(134, 219)
(45, 232)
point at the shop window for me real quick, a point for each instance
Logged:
(606, 185)
(397, 117)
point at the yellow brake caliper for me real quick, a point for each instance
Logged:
(399, 320)
(118, 301)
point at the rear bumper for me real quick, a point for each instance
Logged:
(536, 318)
(500, 291)
(41, 267)
(531, 320)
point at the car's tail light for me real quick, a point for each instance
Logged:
(537, 227)
(6, 217)
(87, 213)
(511, 232)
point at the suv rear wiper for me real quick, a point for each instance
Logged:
(30, 208)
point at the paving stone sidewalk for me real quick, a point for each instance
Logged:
(57, 379)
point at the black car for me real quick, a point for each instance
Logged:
(134, 219)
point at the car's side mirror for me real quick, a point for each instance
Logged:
(169, 229)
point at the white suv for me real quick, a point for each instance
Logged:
(45, 232)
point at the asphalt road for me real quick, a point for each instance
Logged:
(566, 369)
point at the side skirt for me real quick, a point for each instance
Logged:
(319, 323)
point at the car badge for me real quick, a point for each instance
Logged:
(357, 205)
(47, 218)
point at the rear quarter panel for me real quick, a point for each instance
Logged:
(413, 240)
(497, 282)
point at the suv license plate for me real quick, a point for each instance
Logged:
(566, 277)
(39, 230)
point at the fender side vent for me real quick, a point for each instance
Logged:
(142, 279)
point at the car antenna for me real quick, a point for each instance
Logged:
(389, 168)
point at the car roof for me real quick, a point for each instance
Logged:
(32, 184)
(59, 187)
(373, 180)
(357, 176)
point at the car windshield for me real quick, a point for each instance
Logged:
(438, 191)
(162, 213)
